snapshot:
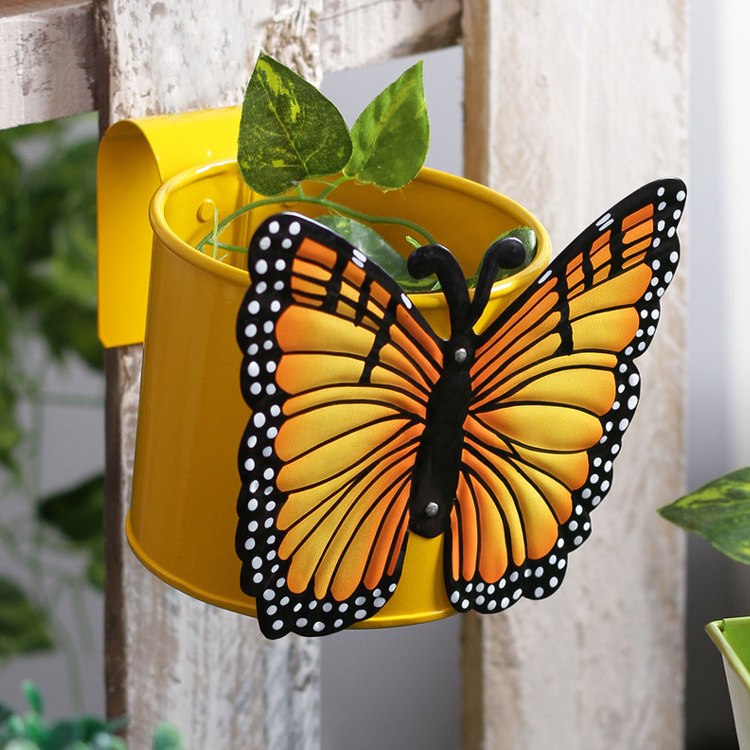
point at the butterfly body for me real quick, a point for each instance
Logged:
(367, 427)
(438, 457)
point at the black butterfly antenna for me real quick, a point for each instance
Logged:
(437, 259)
(507, 253)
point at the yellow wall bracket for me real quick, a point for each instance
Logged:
(135, 158)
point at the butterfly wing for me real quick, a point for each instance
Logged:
(337, 370)
(554, 387)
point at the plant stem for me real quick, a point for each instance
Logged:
(315, 200)
(215, 233)
(233, 248)
(331, 186)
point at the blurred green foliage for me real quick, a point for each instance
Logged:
(31, 731)
(47, 259)
(23, 627)
(47, 317)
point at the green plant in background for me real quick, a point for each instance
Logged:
(294, 147)
(720, 512)
(31, 731)
(47, 320)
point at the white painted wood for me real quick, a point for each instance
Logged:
(570, 106)
(359, 32)
(48, 65)
(219, 43)
(170, 57)
(171, 657)
(46, 60)
(208, 671)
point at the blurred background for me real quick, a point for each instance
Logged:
(51, 417)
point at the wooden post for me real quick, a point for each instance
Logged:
(569, 107)
(169, 656)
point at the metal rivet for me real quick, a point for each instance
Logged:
(431, 510)
(460, 355)
(206, 210)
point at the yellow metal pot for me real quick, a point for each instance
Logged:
(182, 519)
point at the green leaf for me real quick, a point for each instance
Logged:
(16, 726)
(60, 286)
(528, 237)
(289, 131)
(81, 729)
(33, 696)
(36, 729)
(718, 511)
(391, 137)
(105, 741)
(167, 737)
(372, 244)
(48, 244)
(77, 511)
(23, 627)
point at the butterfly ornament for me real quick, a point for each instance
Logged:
(366, 427)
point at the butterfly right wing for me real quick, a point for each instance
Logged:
(555, 386)
(337, 371)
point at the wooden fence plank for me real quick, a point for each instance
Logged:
(570, 107)
(48, 65)
(355, 33)
(46, 60)
(169, 656)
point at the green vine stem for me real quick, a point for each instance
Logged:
(212, 236)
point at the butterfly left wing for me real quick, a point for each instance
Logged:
(554, 389)
(337, 371)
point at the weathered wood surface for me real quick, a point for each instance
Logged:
(208, 671)
(169, 656)
(355, 33)
(46, 60)
(212, 63)
(569, 108)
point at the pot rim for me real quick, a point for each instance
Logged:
(422, 300)
(717, 631)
